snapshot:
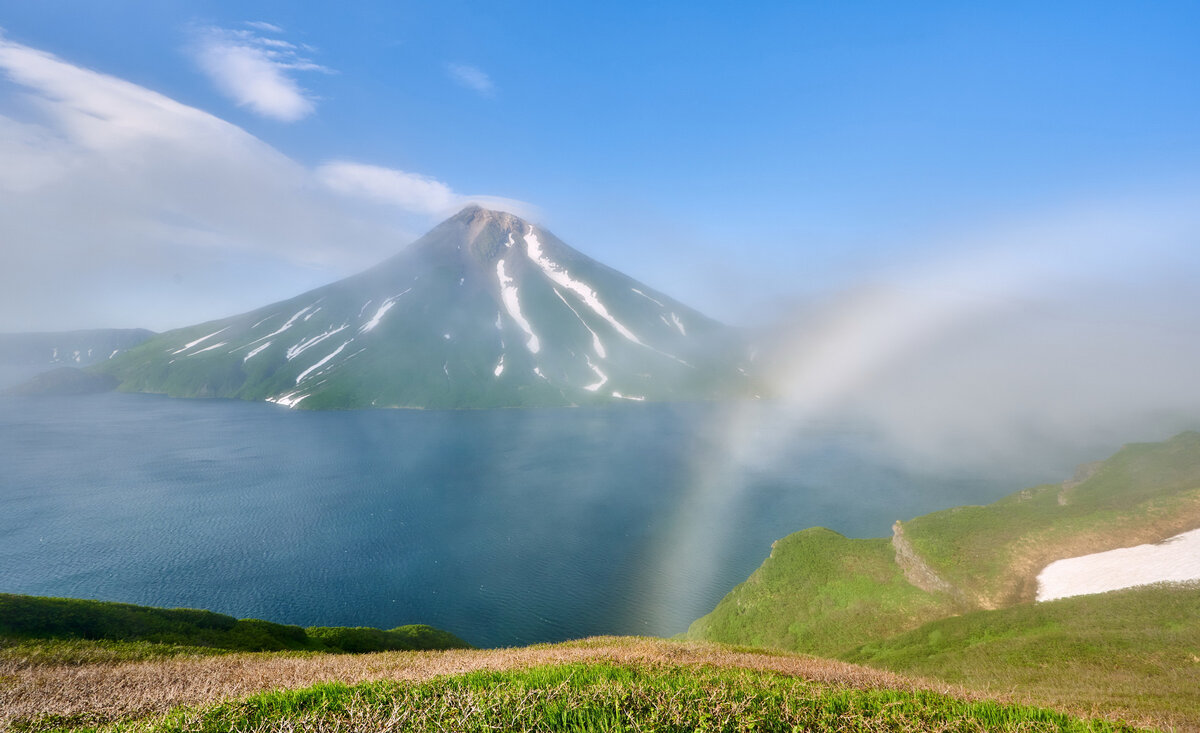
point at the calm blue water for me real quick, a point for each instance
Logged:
(504, 526)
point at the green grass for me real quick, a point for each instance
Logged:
(128, 628)
(75, 652)
(821, 593)
(1139, 650)
(992, 553)
(604, 697)
(1136, 649)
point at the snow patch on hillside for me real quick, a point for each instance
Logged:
(186, 346)
(635, 398)
(290, 399)
(256, 352)
(209, 348)
(647, 297)
(307, 344)
(601, 375)
(512, 304)
(322, 362)
(381, 312)
(679, 325)
(597, 345)
(1173, 560)
(285, 326)
(559, 275)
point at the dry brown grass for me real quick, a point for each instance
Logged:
(124, 691)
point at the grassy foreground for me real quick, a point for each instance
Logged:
(607, 697)
(601, 684)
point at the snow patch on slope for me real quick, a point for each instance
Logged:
(597, 346)
(380, 312)
(284, 327)
(322, 362)
(256, 352)
(290, 399)
(679, 325)
(512, 304)
(559, 275)
(208, 348)
(647, 297)
(1173, 560)
(303, 346)
(177, 351)
(601, 375)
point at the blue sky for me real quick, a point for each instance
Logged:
(735, 156)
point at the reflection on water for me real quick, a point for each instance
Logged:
(503, 526)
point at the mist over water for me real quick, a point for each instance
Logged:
(504, 526)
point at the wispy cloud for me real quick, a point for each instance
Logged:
(408, 191)
(257, 71)
(121, 197)
(264, 26)
(388, 185)
(472, 78)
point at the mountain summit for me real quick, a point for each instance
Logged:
(486, 310)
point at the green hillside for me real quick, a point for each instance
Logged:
(821, 593)
(920, 602)
(1136, 649)
(992, 554)
(26, 618)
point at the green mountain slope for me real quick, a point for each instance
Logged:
(823, 593)
(486, 310)
(1147, 492)
(1137, 649)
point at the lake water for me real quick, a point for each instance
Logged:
(504, 526)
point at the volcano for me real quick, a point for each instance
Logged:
(486, 310)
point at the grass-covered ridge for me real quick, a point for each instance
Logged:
(606, 697)
(858, 599)
(1136, 649)
(992, 554)
(821, 593)
(128, 629)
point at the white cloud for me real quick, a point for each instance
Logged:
(263, 26)
(387, 185)
(256, 71)
(122, 207)
(409, 191)
(472, 78)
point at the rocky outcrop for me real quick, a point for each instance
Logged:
(915, 569)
